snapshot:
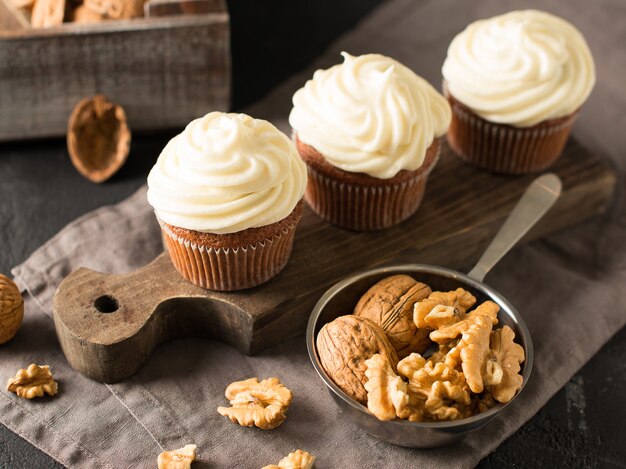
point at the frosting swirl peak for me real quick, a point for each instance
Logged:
(226, 173)
(370, 114)
(520, 68)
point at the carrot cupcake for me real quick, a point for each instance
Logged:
(227, 193)
(516, 83)
(368, 131)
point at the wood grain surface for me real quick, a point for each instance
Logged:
(163, 71)
(462, 210)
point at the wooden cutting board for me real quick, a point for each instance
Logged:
(108, 325)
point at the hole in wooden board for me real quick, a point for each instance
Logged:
(106, 304)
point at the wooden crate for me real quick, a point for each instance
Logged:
(164, 71)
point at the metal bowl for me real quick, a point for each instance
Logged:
(341, 298)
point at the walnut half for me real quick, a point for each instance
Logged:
(262, 404)
(387, 396)
(34, 381)
(440, 388)
(297, 459)
(508, 355)
(177, 459)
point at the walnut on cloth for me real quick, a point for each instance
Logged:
(508, 355)
(297, 459)
(442, 308)
(262, 404)
(177, 459)
(344, 345)
(439, 386)
(389, 304)
(34, 381)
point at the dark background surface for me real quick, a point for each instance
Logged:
(40, 192)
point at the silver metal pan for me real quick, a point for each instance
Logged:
(341, 298)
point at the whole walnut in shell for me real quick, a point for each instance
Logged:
(389, 304)
(11, 309)
(344, 345)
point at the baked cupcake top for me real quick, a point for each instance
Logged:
(520, 68)
(226, 173)
(370, 114)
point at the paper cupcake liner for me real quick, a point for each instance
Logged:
(364, 208)
(504, 148)
(228, 269)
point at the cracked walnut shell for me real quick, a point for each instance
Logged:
(508, 355)
(98, 138)
(11, 309)
(297, 459)
(389, 304)
(262, 404)
(344, 345)
(178, 458)
(34, 381)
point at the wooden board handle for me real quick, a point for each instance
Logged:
(101, 318)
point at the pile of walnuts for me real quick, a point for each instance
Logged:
(47, 13)
(378, 354)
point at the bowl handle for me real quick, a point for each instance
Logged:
(535, 202)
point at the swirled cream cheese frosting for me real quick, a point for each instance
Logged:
(520, 68)
(226, 173)
(370, 114)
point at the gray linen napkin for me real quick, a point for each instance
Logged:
(564, 286)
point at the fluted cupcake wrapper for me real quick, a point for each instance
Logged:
(504, 148)
(228, 269)
(364, 208)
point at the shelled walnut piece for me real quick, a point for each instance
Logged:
(11, 309)
(442, 308)
(387, 396)
(297, 459)
(437, 385)
(471, 350)
(48, 13)
(508, 355)
(177, 459)
(34, 381)
(262, 404)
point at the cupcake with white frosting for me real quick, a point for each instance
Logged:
(368, 130)
(227, 193)
(516, 83)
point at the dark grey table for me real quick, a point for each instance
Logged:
(40, 192)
